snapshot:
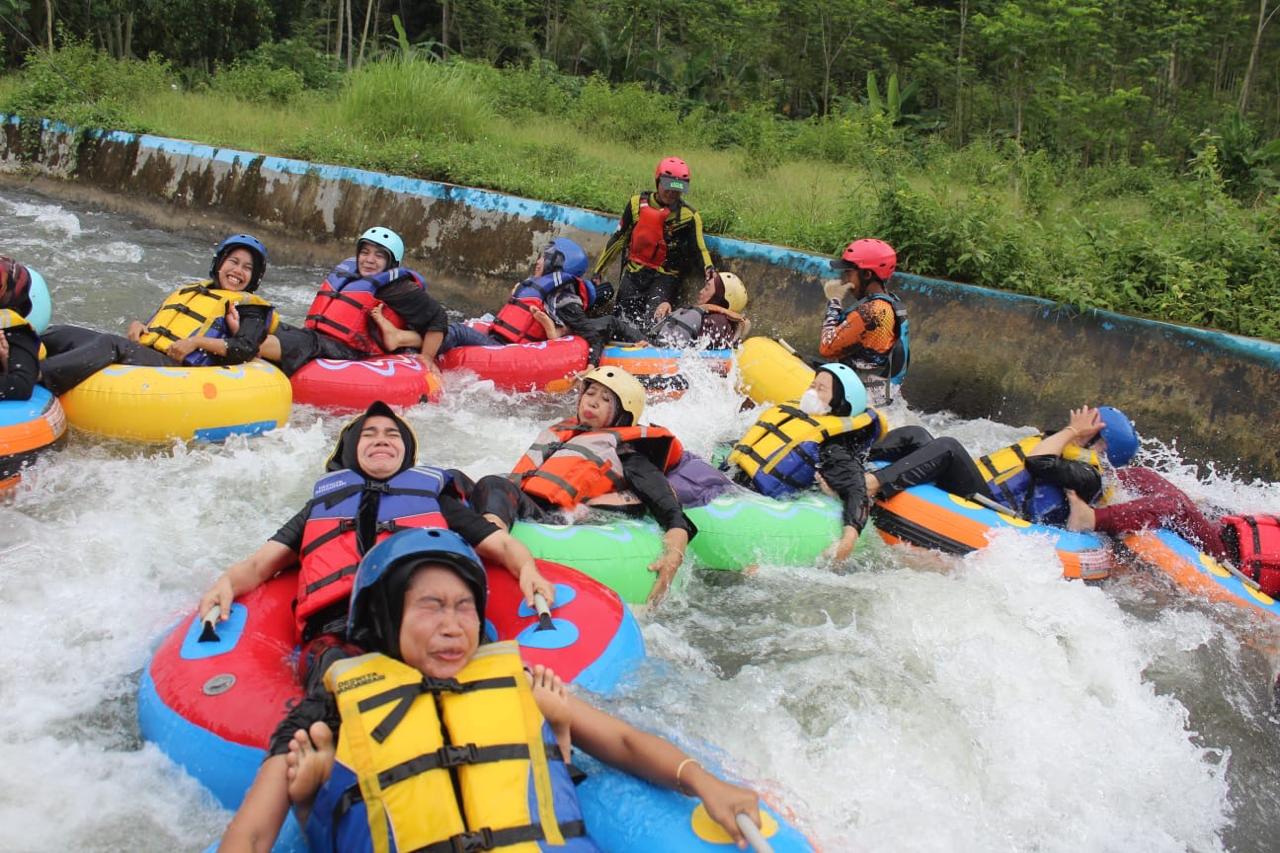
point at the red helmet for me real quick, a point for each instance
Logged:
(675, 171)
(876, 256)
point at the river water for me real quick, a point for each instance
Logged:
(909, 702)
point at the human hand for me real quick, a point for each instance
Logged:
(136, 330)
(667, 563)
(724, 802)
(4, 352)
(178, 350)
(233, 319)
(532, 581)
(663, 309)
(835, 288)
(220, 594)
(842, 548)
(1085, 422)
(826, 488)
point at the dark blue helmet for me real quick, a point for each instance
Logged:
(377, 597)
(242, 241)
(1119, 434)
(564, 255)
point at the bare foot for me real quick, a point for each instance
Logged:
(309, 762)
(553, 701)
(1080, 515)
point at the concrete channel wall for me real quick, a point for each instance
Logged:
(976, 352)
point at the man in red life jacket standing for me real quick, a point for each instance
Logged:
(660, 239)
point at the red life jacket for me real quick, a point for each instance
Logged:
(330, 549)
(571, 464)
(1254, 542)
(648, 245)
(341, 307)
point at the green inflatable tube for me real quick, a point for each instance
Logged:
(744, 529)
(617, 554)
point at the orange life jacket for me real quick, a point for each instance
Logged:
(571, 463)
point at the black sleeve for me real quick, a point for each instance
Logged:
(311, 709)
(465, 521)
(1079, 477)
(19, 381)
(290, 535)
(654, 491)
(840, 461)
(419, 309)
(254, 322)
(596, 331)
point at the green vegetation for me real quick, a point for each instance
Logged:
(1192, 238)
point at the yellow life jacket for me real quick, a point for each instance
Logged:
(10, 319)
(780, 452)
(1005, 471)
(440, 764)
(194, 310)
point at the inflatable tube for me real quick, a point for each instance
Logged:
(741, 529)
(1196, 571)
(26, 428)
(931, 518)
(658, 368)
(398, 380)
(41, 303)
(541, 366)
(212, 707)
(771, 373)
(628, 815)
(160, 403)
(617, 554)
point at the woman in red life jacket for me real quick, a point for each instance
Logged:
(19, 343)
(372, 490)
(603, 459)
(341, 322)
(659, 238)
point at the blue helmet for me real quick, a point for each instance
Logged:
(849, 389)
(242, 241)
(377, 597)
(384, 238)
(1119, 434)
(564, 255)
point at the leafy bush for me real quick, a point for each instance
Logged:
(628, 113)
(85, 87)
(255, 82)
(317, 69)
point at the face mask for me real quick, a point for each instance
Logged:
(811, 404)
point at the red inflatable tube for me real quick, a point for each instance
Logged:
(398, 380)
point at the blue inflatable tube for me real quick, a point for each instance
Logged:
(41, 303)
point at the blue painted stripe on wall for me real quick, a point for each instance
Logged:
(597, 223)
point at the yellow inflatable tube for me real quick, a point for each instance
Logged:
(772, 373)
(160, 403)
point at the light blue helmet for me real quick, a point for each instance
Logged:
(255, 248)
(384, 238)
(1119, 434)
(377, 596)
(564, 255)
(850, 388)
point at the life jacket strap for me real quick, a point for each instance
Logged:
(344, 525)
(345, 571)
(405, 695)
(488, 839)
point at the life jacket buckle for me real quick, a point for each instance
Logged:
(380, 486)
(473, 842)
(441, 685)
(454, 755)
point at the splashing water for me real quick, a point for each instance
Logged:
(914, 702)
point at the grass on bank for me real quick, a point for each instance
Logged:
(1148, 239)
